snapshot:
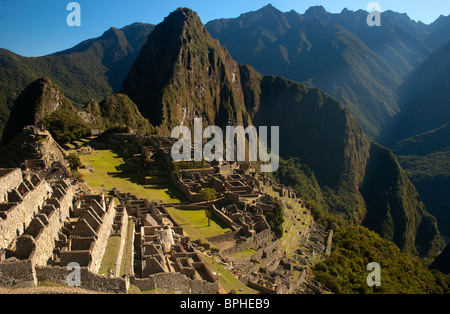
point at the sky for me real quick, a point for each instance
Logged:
(39, 27)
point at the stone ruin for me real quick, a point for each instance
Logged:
(162, 247)
(162, 256)
(84, 237)
(46, 227)
(31, 215)
(236, 184)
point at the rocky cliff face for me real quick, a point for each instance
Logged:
(442, 262)
(182, 73)
(40, 99)
(358, 176)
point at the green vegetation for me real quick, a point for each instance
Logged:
(394, 209)
(275, 218)
(117, 113)
(94, 68)
(46, 283)
(208, 194)
(195, 223)
(430, 174)
(296, 174)
(110, 170)
(227, 280)
(378, 207)
(74, 162)
(65, 125)
(42, 102)
(159, 97)
(243, 254)
(354, 248)
(127, 258)
(111, 256)
(328, 139)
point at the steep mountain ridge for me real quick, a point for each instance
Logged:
(399, 40)
(308, 48)
(420, 134)
(181, 73)
(40, 99)
(424, 102)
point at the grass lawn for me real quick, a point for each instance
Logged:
(195, 223)
(127, 265)
(243, 254)
(111, 255)
(123, 178)
(226, 279)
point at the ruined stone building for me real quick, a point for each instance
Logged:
(163, 250)
(31, 214)
(84, 240)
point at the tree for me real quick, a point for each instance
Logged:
(208, 215)
(208, 194)
(74, 162)
(275, 218)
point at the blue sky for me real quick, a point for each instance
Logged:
(38, 27)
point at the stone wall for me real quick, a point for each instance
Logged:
(9, 179)
(82, 257)
(35, 246)
(123, 235)
(175, 282)
(329, 243)
(88, 279)
(21, 210)
(165, 281)
(223, 237)
(17, 274)
(258, 242)
(88, 239)
(102, 238)
(222, 217)
(45, 241)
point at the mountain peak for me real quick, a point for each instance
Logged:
(181, 73)
(183, 14)
(316, 11)
(38, 100)
(269, 9)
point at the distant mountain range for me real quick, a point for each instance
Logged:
(176, 71)
(420, 134)
(362, 66)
